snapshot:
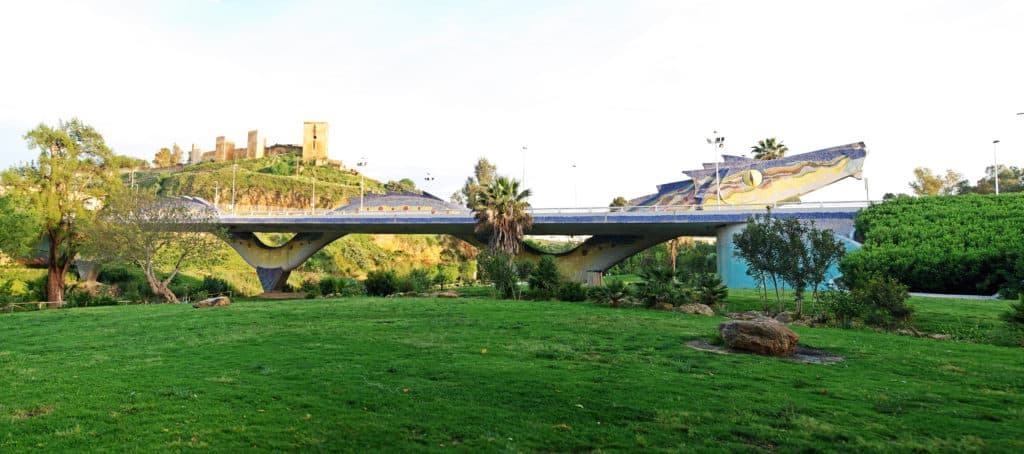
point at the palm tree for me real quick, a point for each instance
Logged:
(769, 149)
(500, 212)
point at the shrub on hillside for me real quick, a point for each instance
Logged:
(215, 286)
(381, 283)
(572, 292)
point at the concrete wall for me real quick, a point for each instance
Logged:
(733, 270)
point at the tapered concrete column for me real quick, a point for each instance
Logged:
(590, 260)
(274, 264)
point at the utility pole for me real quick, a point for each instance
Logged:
(234, 171)
(995, 169)
(362, 163)
(524, 166)
(717, 141)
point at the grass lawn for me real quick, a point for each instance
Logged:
(483, 375)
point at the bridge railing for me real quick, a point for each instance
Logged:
(627, 210)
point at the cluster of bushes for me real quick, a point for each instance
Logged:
(332, 286)
(15, 290)
(879, 301)
(127, 283)
(416, 280)
(947, 244)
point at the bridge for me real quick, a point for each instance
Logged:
(614, 233)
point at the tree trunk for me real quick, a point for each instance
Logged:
(54, 273)
(157, 287)
(55, 284)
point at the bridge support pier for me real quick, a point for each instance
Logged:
(588, 262)
(274, 264)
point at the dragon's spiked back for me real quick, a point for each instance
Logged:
(745, 181)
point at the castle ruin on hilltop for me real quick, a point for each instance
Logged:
(313, 149)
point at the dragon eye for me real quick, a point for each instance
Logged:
(753, 178)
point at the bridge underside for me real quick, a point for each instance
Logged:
(613, 238)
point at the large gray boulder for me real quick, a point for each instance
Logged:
(764, 336)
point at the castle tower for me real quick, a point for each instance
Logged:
(257, 145)
(196, 155)
(314, 141)
(220, 154)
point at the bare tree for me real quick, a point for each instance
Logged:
(146, 230)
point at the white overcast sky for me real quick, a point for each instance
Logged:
(626, 90)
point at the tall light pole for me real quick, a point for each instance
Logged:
(234, 170)
(362, 163)
(524, 166)
(995, 169)
(575, 200)
(717, 141)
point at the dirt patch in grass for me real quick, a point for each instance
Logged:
(802, 354)
(25, 414)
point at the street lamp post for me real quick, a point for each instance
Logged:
(524, 166)
(234, 171)
(362, 163)
(995, 169)
(717, 141)
(575, 200)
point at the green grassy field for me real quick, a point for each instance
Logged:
(477, 374)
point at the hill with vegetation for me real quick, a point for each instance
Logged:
(281, 181)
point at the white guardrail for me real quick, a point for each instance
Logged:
(639, 210)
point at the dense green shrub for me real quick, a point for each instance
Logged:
(446, 275)
(709, 289)
(381, 283)
(545, 278)
(614, 293)
(841, 306)
(82, 298)
(215, 285)
(885, 301)
(948, 244)
(571, 291)
(417, 280)
(524, 268)
(340, 286)
(499, 269)
(1015, 316)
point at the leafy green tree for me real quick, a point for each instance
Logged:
(618, 203)
(501, 214)
(759, 245)
(64, 184)
(483, 175)
(163, 158)
(824, 251)
(793, 257)
(927, 183)
(20, 225)
(1011, 179)
(767, 149)
(137, 227)
(499, 269)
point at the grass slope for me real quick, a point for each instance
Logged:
(411, 374)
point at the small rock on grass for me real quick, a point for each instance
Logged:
(212, 302)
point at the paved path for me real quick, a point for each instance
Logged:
(961, 297)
